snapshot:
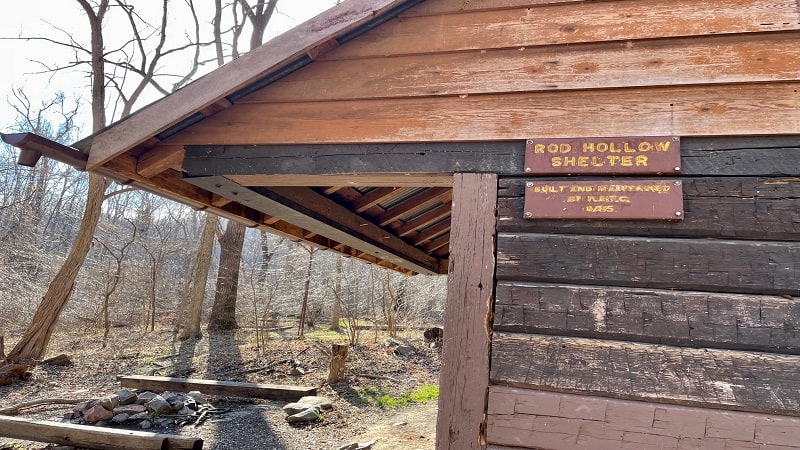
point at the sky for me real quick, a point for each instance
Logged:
(46, 17)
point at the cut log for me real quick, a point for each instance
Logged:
(338, 360)
(12, 372)
(93, 437)
(213, 387)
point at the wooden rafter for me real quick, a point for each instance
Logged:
(413, 204)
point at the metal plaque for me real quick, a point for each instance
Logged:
(655, 155)
(605, 200)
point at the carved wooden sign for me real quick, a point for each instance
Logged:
(654, 155)
(605, 199)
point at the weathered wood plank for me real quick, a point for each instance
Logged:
(213, 387)
(669, 62)
(719, 207)
(237, 74)
(436, 158)
(531, 418)
(682, 110)
(437, 7)
(85, 436)
(465, 359)
(698, 319)
(570, 23)
(728, 379)
(688, 264)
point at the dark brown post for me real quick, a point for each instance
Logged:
(464, 379)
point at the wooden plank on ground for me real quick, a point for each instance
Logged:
(705, 110)
(690, 264)
(213, 387)
(85, 436)
(719, 207)
(727, 379)
(535, 419)
(568, 23)
(618, 64)
(465, 361)
(697, 319)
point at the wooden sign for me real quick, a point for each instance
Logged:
(607, 200)
(659, 155)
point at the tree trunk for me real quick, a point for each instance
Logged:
(304, 309)
(33, 343)
(338, 367)
(336, 313)
(223, 313)
(202, 264)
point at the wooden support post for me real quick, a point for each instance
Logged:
(338, 366)
(464, 379)
(85, 436)
(213, 387)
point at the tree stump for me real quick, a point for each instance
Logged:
(13, 372)
(338, 359)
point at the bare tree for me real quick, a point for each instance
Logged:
(112, 280)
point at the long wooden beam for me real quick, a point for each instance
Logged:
(317, 213)
(213, 387)
(346, 159)
(85, 436)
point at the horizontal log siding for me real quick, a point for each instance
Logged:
(527, 418)
(697, 319)
(728, 379)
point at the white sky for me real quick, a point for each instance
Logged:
(35, 19)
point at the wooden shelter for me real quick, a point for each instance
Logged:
(407, 133)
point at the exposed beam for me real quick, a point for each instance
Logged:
(357, 180)
(373, 197)
(346, 159)
(33, 147)
(321, 215)
(424, 219)
(159, 159)
(414, 204)
(431, 232)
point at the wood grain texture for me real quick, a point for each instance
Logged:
(214, 387)
(688, 264)
(92, 436)
(714, 207)
(728, 379)
(697, 319)
(570, 23)
(209, 89)
(686, 110)
(465, 358)
(437, 7)
(668, 62)
(530, 418)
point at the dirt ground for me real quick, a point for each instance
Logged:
(242, 424)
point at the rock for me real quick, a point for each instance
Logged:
(309, 401)
(433, 334)
(197, 397)
(351, 446)
(126, 397)
(145, 397)
(177, 401)
(145, 424)
(185, 411)
(159, 406)
(81, 407)
(97, 413)
(404, 350)
(391, 342)
(60, 360)
(130, 409)
(308, 415)
(400, 424)
(357, 446)
(298, 371)
(140, 416)
(163, 422)
(120, 418)
(109, 403)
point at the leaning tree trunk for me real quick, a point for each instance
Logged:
(202, 264)
(34, 341)
(223, 313)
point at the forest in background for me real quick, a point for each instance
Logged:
(142, 262)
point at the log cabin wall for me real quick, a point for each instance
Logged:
(625, 334)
